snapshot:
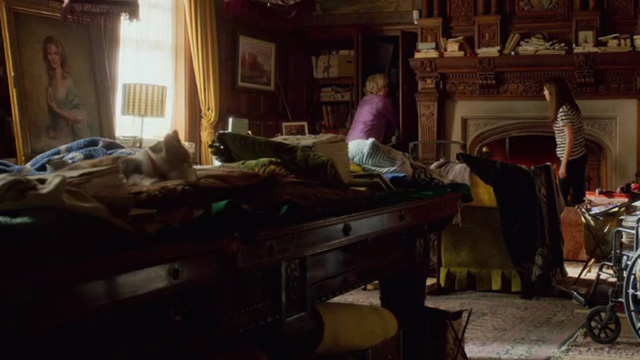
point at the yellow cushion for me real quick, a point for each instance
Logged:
(351, 327)
(355, 168)
(482, 193)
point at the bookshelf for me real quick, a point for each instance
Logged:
(333, 83)
(337, 102)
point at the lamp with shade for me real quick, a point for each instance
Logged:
(144, 100)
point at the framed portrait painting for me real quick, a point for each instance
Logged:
(59, 91)
(538, 11)
(256, 68)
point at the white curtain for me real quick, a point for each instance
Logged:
(147, 55)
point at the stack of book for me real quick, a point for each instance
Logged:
(452, 47)
(488, 51)
(586, 48)
(335, 93)
(511, 43)
(537, 45)
(426, 50)
(616, 43)
(335, 116)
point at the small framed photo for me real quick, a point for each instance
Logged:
(256, 64)
(294, 128)
(586, 38)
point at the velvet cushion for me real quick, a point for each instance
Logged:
(351, 327)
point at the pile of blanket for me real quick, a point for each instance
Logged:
(84, 149)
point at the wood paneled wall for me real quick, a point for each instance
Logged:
(265, 109)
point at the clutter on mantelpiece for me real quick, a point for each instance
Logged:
(616, 43)
(511, 44)
(453, 47)
(489, 51)
(538, 45)
(426, 49)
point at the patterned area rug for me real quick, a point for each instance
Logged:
(503, 326)
(583, 348)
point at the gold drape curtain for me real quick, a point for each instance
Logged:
(201, 26)
(111, 31)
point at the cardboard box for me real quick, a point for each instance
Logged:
(336, 66)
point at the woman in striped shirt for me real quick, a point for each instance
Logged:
(570, 140)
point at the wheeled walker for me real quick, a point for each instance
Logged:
(603, 323)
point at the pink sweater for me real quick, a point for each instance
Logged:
(374, 115)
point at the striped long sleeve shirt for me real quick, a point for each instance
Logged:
(568, 115)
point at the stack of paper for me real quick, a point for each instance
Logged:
(539, 46)
(488, 51)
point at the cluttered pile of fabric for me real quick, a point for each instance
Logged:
(530, 205)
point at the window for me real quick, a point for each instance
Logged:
(148, 55)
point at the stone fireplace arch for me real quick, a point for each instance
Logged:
(601, 130)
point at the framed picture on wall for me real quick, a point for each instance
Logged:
(292, 128)
(586, 38)
(59, 90)
(540, 11)
(256, 64)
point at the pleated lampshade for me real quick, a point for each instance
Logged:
(144, 100)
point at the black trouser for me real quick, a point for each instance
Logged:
(576, 169)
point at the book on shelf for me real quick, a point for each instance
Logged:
(420, 46)
(453, 53)
(453, 46)
(335, 93)
(584, 49)
(426, 54)
(314, 66)
(511, 43)
(524, 51)
(335, 116)
(615, 48)
(488, 51)
(442, 43)
(551, 52)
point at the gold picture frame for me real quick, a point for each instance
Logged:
(256, 64)
(60, 88)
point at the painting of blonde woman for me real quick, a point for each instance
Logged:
(67, 114)
(61, 91)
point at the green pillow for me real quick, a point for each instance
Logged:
(301, 161)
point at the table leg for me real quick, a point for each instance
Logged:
(404, 294)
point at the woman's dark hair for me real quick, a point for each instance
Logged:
(560, 95)
(64, 65)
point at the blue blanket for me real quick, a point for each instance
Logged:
(84, 149)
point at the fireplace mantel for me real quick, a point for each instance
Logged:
(591, 75)
(596, 75)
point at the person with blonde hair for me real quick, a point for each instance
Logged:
(375, 117)
(67, 114)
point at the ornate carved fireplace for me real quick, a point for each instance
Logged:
(522, 125)
(530, 140)
(506, 93)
